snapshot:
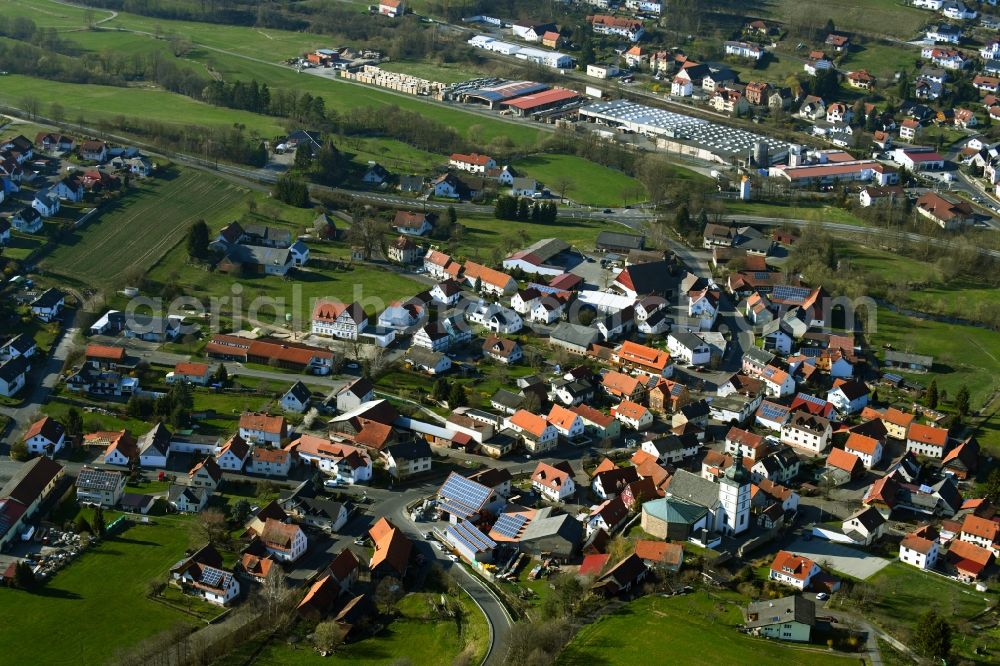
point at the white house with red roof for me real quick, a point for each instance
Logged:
(473, 163)
(45, 436)
(632, 415)
(554, 482)
(793, 570)
(339, 320)
(391, 8)
(919, 548)
(536, 432)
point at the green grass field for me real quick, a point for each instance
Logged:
(111, 102)
(796, 211)
(47, 14)
(875, 17)
(97, 604)
(589, 183)
(881, 59)
(963, 355)
(906, 593)
(141, 227)
(699, 628)
(415, 635)
(482, 234)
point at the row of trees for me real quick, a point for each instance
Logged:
(522, 208)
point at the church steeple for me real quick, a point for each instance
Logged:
(737, 473)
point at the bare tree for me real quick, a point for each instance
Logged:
(273, 592)
(211, 527)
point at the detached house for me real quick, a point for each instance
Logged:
(473, 163)
(45, 437)
(917, 550)
(265, 429)
(339, 320)
(867, 449)
(806, 431)
(554, 482)
(537, 434)
(928, 441)
(413, 224)
(793, 570)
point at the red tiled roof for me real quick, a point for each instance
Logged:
(926, 434)
(790, 564)
(105, 352)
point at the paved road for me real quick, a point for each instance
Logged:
(42, 379)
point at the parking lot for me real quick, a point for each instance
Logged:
(846, 560)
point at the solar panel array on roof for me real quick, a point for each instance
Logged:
(510, 524)
(653, 121)
(213, 577)
(469, 536)
(786, 292)
(805, 397)
(769, 410)
(462, 497)
(761, 275)
(894, 378)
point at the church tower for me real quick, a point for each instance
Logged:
(734, 495)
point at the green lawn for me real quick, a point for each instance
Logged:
(483, 234)
(394, 155)
(50, 14)
(588, 183)
(110, 102)
(416, 636)
(963, 355)
(21, 245)
(905, 593)
(141, 227)
(800, 210)
(699, 628)
(874, 17)
(97, 604)
(881, 59)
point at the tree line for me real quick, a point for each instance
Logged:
(522, 208)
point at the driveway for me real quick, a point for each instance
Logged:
(847, 560)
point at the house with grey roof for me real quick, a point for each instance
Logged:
(789, 618)
(573, 337)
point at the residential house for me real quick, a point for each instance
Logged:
(99, 486)
(865, 526)
(339, 320)
(46, 202)
(355, 394)
(283, 541)
(537, 434)
(553, 482)
(206, 474)
(502, 350)
(632, 415)
(232, 455)
(403, 251)
(928, 441)
(264, 429)
(919, 549)
(269, 462)
(297, 398)
(789, 618)
(187, 499)
(45, 436)
(406, 459)
(867, 449)
(48, 305)
(413, 224)
(793, 570)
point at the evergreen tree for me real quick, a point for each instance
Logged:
(932, 395)
(962, 401)
(456, 396)
(74, 422)
(24, 577)
(222, 375)
(98, 522)
(331, 165)
(933, 636)
(682, 219)
(81, 525)
(303, 158)
(197, 241)
(452, 216)
(523, 209)
(440, 391)
(292, 191)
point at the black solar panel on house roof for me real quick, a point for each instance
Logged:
(211, 576)
(772, 411)
(509, 524)
(460, 492)
(785, 292)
